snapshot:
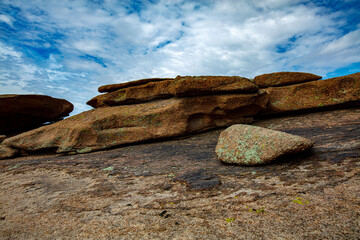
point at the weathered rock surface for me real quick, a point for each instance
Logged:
(18, 112)
(7, 152)
(2, 138)
(121, 193)
(113, 126)
(333, 92)
(284, 78)
(250, 145)
(203, 85)
(178, 87)
(114, 87)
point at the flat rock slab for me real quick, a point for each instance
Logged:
(284, 78)
(117, 86)
(251, 145)
(123, 193)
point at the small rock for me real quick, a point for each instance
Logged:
(250, 145)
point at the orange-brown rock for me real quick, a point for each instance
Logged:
(203, 85)
(114, 87)
(18, 112)
(284, 78)
(180, 87)
(251, 145)
(331, 92)
(113, 126)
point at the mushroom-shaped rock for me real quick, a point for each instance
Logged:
(250, 145)
(24, 112)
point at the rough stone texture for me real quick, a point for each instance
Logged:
(202, 85)
(19, 112)
(198, 179)
(113, 126)
(2, 138)
(251, 145)
(114, 87)
(333, 92)
(180, 87)
(284, 78)
(7, 152)
(123, 193)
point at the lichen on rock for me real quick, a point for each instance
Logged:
(250, 145)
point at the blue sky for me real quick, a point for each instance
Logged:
(68, 48)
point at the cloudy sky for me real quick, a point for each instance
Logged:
(68, 48)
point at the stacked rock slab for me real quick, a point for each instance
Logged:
(146, 90)
(314, 95)
(220, 102)
(21, 112)
(284, 78)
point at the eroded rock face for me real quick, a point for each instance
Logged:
(167, 88)
(250, 145)
(331, 92)
(284, 78)
(113, 126)
(18, 112)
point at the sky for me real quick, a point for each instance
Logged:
(68, 48)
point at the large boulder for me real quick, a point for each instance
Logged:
(107, 127)
(284, 78)
(19, 112)
(333, 92)
(167, 88)
(250, 145)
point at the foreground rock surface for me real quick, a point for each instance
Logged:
(284, 78)
(113, 126)
(18, 112)
(187, 86)
(332, 92)
(130, 192)
(250, 145)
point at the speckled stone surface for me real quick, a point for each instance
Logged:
(250, 145)
(131, 192)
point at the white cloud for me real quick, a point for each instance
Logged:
(8, 20)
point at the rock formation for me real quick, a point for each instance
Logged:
(151, 109)
(284, 78)
(250, 145)
(19, 112)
